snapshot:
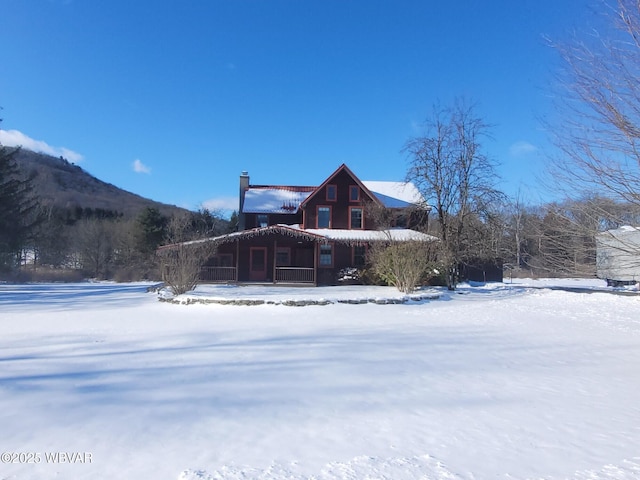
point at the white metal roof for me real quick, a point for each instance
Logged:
(395, 194)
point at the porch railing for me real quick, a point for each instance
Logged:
(218, 274)
(294, 275)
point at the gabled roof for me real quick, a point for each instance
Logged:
(357, 181)
(283, 199)
(274, 198)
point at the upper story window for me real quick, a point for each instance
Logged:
(324, 217)
(262, 220)
(354, 193)
(332, 193)
(355, 218)
(400, 220)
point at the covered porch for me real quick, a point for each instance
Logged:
(269, 255)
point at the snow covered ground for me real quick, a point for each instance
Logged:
(496, 381)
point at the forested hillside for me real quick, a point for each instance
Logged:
(59, 183)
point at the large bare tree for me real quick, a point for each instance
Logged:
(449, 167)
(597, 127)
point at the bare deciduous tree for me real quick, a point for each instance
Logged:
(598, 101)
(448, 166)
(93, 242)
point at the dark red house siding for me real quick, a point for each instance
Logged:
(301, 253)
(340, 213)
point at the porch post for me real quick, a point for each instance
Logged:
(237, 259)
(315, 263)
(275, 255)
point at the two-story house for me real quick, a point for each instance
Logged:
(308, 234)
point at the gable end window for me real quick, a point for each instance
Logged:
(324, 217)
(354, 193)
(332, 193)
(356, 221)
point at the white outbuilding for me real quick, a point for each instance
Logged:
(618, 255)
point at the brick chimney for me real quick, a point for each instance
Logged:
(244, 185)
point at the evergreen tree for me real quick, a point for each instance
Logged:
(233, 222)
(151, 230)
(16, 206)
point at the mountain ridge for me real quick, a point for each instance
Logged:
(60, 183)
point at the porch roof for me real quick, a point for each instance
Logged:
(320, 235)
(367, 236)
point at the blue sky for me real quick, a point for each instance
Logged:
(173, 99)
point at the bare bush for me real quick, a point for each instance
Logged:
(182, 260)
(403, 264)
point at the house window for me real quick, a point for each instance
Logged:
(283, 257)
(354, 193)
(400, 220)
(221, 260)
(324, 217)
(359, 255)
(326, 255)
(355, 218)
(332, 193)
(262, 220)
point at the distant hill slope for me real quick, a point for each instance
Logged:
(63, 184)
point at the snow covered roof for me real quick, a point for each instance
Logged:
(274, 199)
(365, 236)
(321, 235)
(284, 199)
(395, 194)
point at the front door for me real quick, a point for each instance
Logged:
(258, 264)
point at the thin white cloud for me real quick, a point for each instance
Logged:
(227, 204)
(15, 138)
(140, 167)
(522, 148)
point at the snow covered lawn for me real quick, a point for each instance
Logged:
(498, 381)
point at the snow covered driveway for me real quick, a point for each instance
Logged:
(499, 382)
